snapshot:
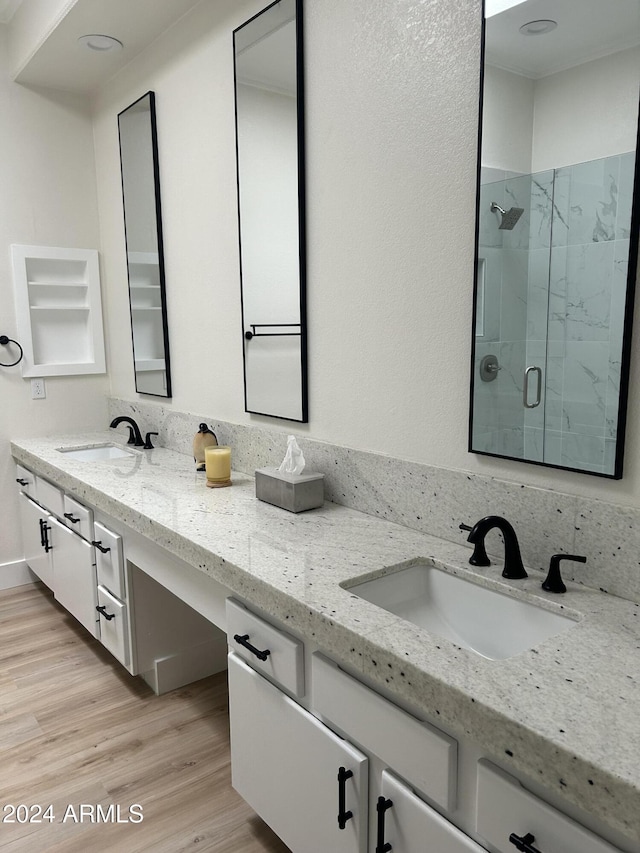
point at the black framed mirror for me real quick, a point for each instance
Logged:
(143, 242)
(557, 232)
(268, 73)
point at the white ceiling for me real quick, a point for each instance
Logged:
(587, 30)
(62, 63)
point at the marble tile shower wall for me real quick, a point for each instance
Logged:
(433, 500)
(553, 295)
(502, 329)
(588, 278)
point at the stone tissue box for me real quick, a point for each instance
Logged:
(293, 492)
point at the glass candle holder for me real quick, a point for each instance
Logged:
(217, 461)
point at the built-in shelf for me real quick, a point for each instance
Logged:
(59, 311)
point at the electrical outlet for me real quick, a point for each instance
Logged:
(38, 391)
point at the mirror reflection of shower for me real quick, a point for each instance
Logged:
(509, 217)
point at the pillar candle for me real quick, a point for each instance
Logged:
(217, 462)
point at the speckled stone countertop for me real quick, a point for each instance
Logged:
(566, 713)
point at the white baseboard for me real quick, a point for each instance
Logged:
(16, 573)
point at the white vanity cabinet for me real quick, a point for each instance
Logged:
(292, 770)
(74, 575)
(37, 554)
(62, 559)
(315, 774)
(305, 781)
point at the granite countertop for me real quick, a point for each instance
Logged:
(564, 713)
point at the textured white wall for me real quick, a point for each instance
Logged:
(392, 113)
(48, 198)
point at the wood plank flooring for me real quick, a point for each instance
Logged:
(76, 729)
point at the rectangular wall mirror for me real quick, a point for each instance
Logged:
(143, 237)
(557, 232)
(270, 161)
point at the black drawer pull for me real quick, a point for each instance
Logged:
(98, 544)
(22, 482)
(102, 610)
(525, 843)
(244, 641)
(343, 814)
(382, 846)
(71, 518)
(45, 537)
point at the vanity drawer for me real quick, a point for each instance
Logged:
(424, 756)
(50, 496)
(109, 560)
(505, 807)
(78, 517)
(114, 630)
(26, 480)
(285, 662)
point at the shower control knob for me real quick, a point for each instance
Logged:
(489, 368)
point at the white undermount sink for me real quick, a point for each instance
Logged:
(484, 620)
(96, 453)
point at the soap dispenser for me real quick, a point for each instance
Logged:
(203, 438)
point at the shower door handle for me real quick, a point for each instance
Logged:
(525, 392)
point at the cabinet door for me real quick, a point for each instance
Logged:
(38, 559)
(75, 574)
(285, 764)
(411, 825)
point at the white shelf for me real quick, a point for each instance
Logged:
(58, 309)
(57, 284)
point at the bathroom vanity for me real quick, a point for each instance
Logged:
(382, 733)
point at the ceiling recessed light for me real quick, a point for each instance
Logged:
(100, 43)
(538, 28)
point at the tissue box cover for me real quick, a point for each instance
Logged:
(294, 492)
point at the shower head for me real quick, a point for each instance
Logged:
(509, 217)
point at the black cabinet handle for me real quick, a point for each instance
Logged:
(243, 640)
(98, 544)
(42, 522)
(22, 482)
(383, 804)
(343, 814)
(102, 610)
(524, 843)
(45, 536)
(73, 520)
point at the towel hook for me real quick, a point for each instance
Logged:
(4, 340)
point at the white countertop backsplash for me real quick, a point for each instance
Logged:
(565, 714)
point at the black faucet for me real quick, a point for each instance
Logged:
(134, 430)
(513, 567)
(553, 582)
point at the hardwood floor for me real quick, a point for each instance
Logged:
(76, 729)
